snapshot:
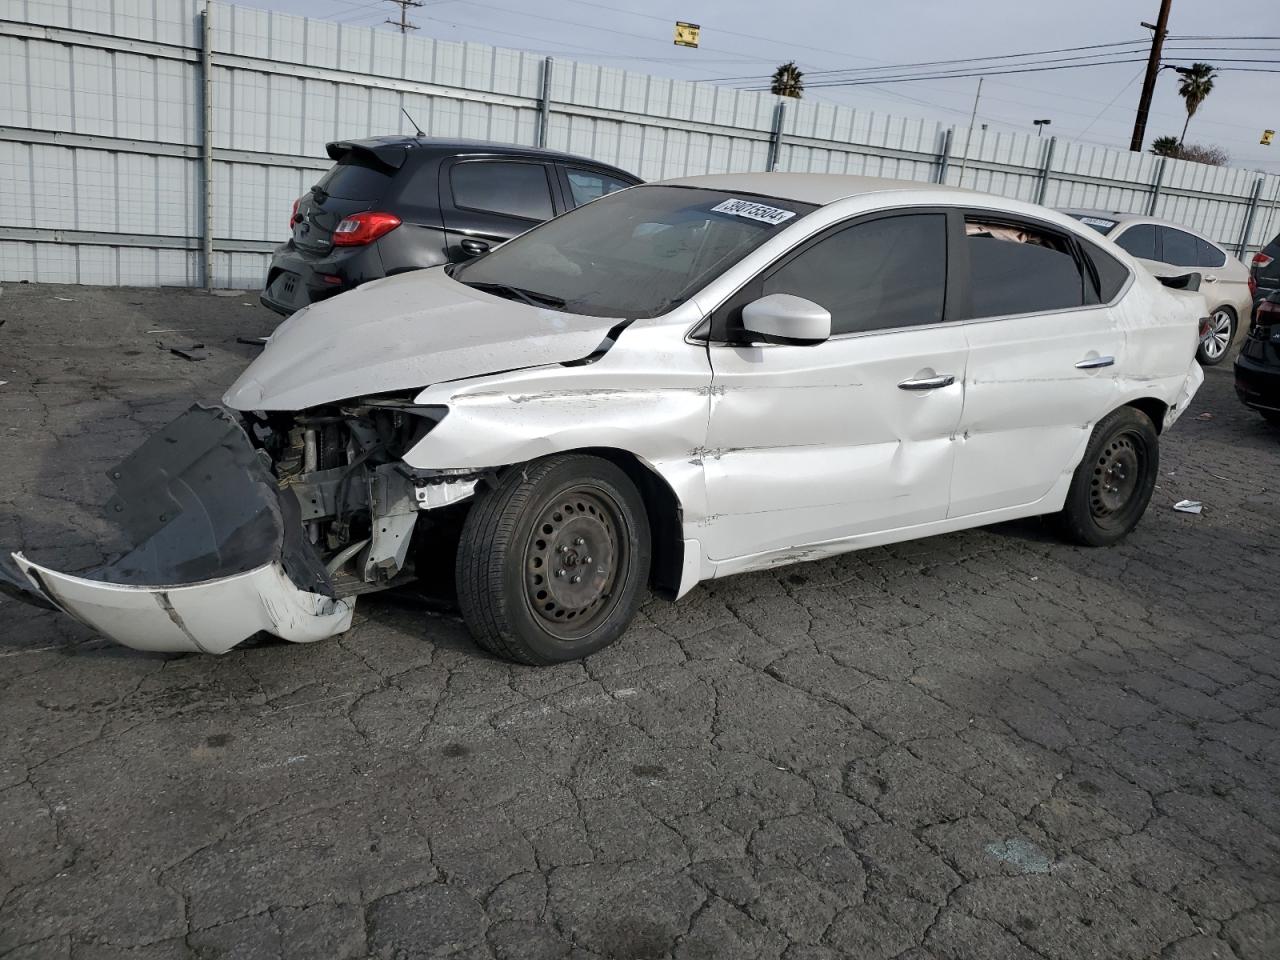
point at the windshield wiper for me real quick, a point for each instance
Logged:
(532, 297)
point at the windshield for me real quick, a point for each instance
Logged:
(634, 254)
(1101, 224)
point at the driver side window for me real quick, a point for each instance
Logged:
(877, 275)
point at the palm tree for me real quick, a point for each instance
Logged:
(788, 81)
(1195, 84)
(1166, 146)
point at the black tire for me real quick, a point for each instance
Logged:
(1216, 345)
(525, 541)
(1112, 485)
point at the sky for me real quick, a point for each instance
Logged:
(749, 38)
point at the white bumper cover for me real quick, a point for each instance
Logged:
(207, 617)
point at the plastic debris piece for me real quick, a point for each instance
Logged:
(1205, 416)
(1188, 506)
(66, 299)
(194, 352)
(253, 341)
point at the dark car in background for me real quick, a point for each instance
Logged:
(1264, 271)
(1258, 365)
(391, 204)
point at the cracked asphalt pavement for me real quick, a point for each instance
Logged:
(986, 745)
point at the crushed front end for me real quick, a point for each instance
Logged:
(240, 523)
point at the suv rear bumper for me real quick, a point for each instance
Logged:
(296, 280)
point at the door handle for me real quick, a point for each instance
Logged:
(928, 383)
(1094, 362)
(1211, 279)
(474, 247)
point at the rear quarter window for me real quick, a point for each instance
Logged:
(1209, 255)
(1110, 273)
(355, 178)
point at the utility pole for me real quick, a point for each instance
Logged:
(964, 161)
(403, 23)
(1153, 69)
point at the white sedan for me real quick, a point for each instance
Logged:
(680, 381)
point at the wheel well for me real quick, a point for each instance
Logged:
(1154, 409)
(665, 516)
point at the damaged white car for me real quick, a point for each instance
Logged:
(676, 382)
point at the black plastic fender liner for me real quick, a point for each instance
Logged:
(198, 502)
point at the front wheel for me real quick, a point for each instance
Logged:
(1112, 485)
(1217, 341)
(554, 560)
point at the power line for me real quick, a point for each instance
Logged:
(1000, 56)
(857, 82)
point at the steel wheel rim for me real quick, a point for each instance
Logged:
(1218, 338)
(1115, 476)
(573, 561)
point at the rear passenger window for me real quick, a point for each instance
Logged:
(1179, 248)
(885, 273)
(1207, 255)
(1139, 241)
(495, 186)
(588, 185)
(1018, 268)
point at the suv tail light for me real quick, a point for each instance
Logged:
(293, 214)
(361, 228)
(1262, 260)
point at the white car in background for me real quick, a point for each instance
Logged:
(1168, 250)
(675, 382)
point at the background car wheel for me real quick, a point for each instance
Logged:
(553, 562)
(1217, 342)
(1113, 483)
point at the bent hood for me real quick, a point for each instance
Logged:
(403, 333)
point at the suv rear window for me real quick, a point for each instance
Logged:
(498, 186)
(355, 178)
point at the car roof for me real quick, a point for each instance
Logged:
(1120, 216)
(438, 146)
(817, 188)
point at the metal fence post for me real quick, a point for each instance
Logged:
(544, 105)
(1155, 187)
(775, 136)
(206, 143)
(945, 155)
(1044, 170)
(1248, 219)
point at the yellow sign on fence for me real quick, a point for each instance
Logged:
(1266, 137)
(686, 34)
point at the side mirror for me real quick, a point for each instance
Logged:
(784, 318)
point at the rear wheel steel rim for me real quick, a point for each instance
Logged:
(1115, 476)
(573, 562)
(1218, 338)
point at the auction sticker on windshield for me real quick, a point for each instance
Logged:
(753, 211)
(1098, 222)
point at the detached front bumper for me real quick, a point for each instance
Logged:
(218, 551)
(208, 617)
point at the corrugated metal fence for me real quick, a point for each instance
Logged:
(103, 136)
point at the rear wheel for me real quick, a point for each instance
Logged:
(552, 562)
(1217, 342)
(1112, 485)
